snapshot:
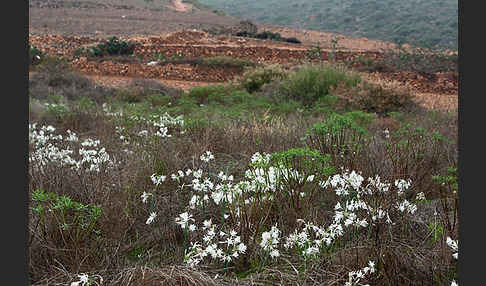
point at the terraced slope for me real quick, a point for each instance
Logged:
(191, 46)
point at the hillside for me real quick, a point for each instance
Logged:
(104, 18)
(432, 23)
(169, 147)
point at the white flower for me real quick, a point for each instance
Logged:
(207, 224)
(197, 174)
(151, 218)
(270, 240)
(217, 196)
(454, 245)
(192, 227)
(387, 133)
(363, 223)
(371, 264)
(83, 280)
(453, 283)
(156, 180)
(145, 196)
(274, 253)
(402, 185)
(312, 250)
(420, 196)
(183, 219)
(242, 248)
(206, 157)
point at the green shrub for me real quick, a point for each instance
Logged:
(267, 35)
(254, 79)
(340, 135)
(374, 98)
(417, 60)
(112, 47)
(224, 61)
(312, 82)
(159, 100)
(211, 93)
(85, 104)
(66, 231)
(293, 40)
(129, 96)
(79, 52)
(306, 161)
(314, 53)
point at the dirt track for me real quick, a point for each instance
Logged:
(181, 7)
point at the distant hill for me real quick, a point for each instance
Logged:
(426, 23)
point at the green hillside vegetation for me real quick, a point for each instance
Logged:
(432, 24)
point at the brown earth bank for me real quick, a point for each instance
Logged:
(198, 44)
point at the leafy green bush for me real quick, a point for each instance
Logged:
(314, 53)
(210, 93)
(71, 217)
(113, 46)
(65, 226)
(341, 135)
(306, 161)
(311, 82)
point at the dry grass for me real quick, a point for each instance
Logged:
(129, 252)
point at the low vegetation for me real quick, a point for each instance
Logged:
(431, 24)
(422, 61)
(112, 46)
(302, 176)
(268, 35)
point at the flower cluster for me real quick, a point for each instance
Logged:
(362, 203)
(270, 240)
(354, 277)
(157, 179)
(159, 126)
(217, 244)
(359, 197)
(267, 179)
(50, 148)
(312, 238)
(206, 157)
